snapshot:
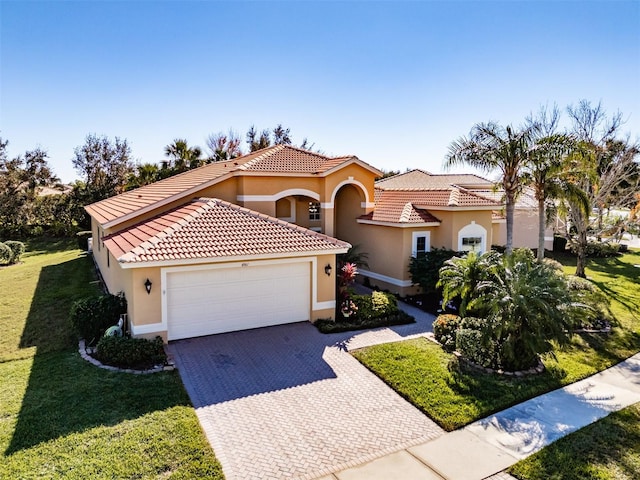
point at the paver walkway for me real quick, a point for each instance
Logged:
(492, 444)
(290, 402)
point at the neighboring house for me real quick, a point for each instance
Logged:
(252, 242)
(215, 249)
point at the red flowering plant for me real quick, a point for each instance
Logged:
(345, 279)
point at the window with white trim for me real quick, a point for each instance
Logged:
(421, 243)
(472, 238)
(314, 210)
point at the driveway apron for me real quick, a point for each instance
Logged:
(290, 402)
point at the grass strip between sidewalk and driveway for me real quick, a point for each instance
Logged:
(61, 417)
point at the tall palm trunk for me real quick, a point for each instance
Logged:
(510, 211)
(577, 218)
(541, 228)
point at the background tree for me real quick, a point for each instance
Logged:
(258, 141)
(104, 166)
(546, 169)
(492, 147)
(144, 174)
(224, 146)
(182, 157)
(281, 135)
(614, 171)
(12, 196)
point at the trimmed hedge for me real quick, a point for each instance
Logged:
(598, 249)
(137, 353)
(17, 249)
(5, 254)
(92, 316)
(376, 305)
(331, 326)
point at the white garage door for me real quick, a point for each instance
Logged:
(215, 300)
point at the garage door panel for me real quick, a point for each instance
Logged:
(216, 300)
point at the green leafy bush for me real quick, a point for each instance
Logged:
(5, 254)
(83, 239)
(376, 305)
(331, 326)
(17, 249)
(473, 346)
(425, 267)
(90, 317)
(137, 353)
(598, 249)
(444, 330)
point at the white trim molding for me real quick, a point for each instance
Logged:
(473, 229)
(393, 281)
(147, 328)
(414, 241)
(349, 181)
(397, 225)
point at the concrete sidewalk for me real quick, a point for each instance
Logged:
(484, 449)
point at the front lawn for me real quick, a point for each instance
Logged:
(418, 369)
(61, 417)
(607, 450)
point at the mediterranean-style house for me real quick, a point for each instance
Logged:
(252, 242)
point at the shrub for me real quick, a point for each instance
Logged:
(472, 346)
(424, 268)
(331, 326)
(376, 305)
(17, 249)
(598, 249)
(559, 243)
(90, 317)
(83, 239)
(130, 352)
(5, 254)
(444, 330)
(553, 264)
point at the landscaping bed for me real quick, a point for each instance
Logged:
(454, 396)
(332, 326)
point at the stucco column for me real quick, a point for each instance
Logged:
(326, 214)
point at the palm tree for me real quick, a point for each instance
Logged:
(183, 156)
(460, 277)
(551, 176)
(529, 308)
(491, 146)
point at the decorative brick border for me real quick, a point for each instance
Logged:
(85, 352)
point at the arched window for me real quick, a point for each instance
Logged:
(472, 238)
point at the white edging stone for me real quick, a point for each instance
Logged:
(85, 352)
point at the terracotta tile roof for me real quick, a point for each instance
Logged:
(288, 159)
(146, 197)
(422, 200)
(421, 180)
(526, 199)
(276, 159)
(211, 228)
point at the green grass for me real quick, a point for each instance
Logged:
(606, 450)
(61, 417)
(418, 369)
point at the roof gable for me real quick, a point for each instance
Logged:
(213, 229)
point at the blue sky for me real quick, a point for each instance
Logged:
(391, 82)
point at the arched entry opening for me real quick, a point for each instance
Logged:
(301, 210)
(348, 206)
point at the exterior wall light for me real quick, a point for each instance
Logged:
(147, 286)
(327, 269)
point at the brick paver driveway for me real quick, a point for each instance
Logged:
(290, 402)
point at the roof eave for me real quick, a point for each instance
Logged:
(234, 258)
